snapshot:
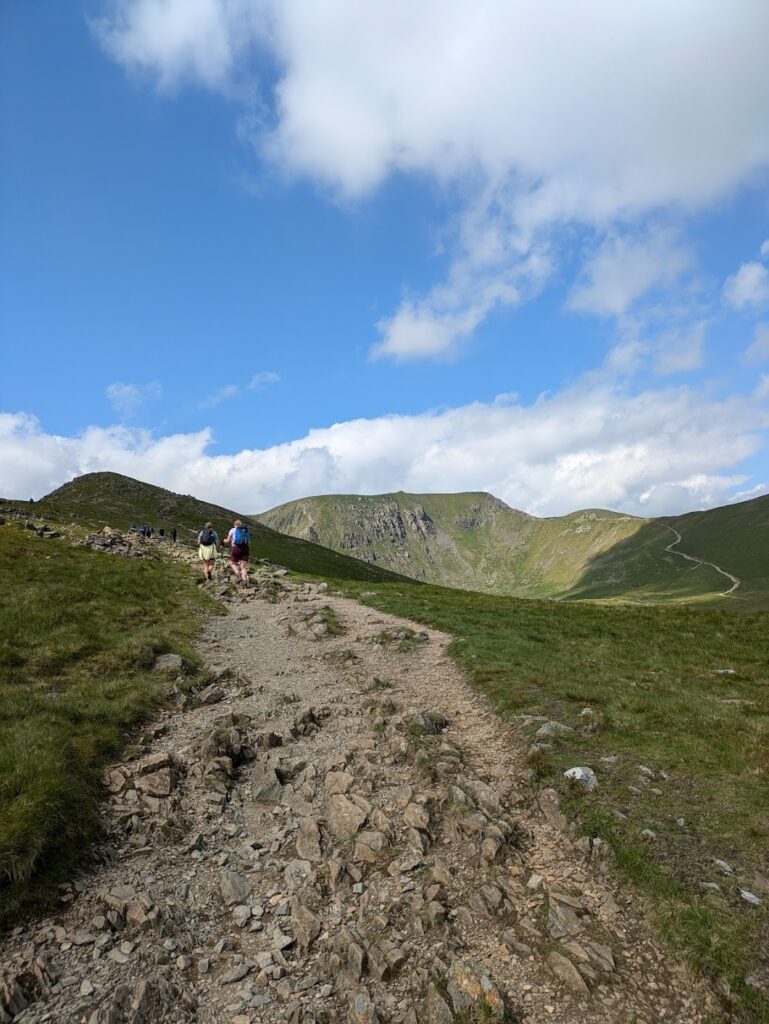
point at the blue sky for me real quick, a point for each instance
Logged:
(253, 250)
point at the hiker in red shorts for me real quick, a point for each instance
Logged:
(239, 538)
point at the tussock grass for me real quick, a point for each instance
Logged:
(654, 678)
(79, 632)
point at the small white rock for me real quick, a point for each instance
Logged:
(750, 897)
(584, 777)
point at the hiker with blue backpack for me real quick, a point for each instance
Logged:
(239, 538)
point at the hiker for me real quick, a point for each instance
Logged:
(239, 537)
(208, 542)
(173, 535)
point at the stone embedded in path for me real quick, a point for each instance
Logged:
(212, 694)
(234, 888)
(265, 783)
(362, 1009)
(437, 1010)
(549, 804)
(308, 841)
(470, 987)
(566, 972)
(345, 818)
(338, 782)
(368, 845)
(305, 923)
(158, 784)
(416, 816)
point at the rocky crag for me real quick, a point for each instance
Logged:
(335, 828)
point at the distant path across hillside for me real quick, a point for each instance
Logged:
(701, 561)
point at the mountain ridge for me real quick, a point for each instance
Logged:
(475, 541)
(112, 499)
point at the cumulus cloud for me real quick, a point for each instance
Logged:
(596, 113)
(749, 286)
(591, 445)
(127, 399)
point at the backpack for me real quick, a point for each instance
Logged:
(242, 536)
(207, 537)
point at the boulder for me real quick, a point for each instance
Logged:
(234, 888)
(345, 819)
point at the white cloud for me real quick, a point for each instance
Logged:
(749, 286)
(600, 115)
(180, 40)
(228, 391)
(262, 378)
(127, 399)
(758, 350)
(590, 445)
(680, 350)
(765, 249)
(625, 267)
(257, 382)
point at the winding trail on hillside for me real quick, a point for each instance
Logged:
(735, 580)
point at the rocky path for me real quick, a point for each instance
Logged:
(735, 580)
(337, 829)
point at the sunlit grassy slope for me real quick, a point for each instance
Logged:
(474, 541)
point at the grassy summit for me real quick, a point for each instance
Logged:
(110, 499)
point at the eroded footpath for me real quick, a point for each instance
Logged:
(337, 829)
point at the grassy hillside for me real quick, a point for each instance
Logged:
(474, 541)
(109, 499)
(79, 633)
(681, 690)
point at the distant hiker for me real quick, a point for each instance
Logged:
(133, 527)
(173, 535)
(208, 542)
(240, 538)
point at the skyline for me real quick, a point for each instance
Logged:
(257, 250)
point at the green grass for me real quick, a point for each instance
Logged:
(648, 674)
(79, 632)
